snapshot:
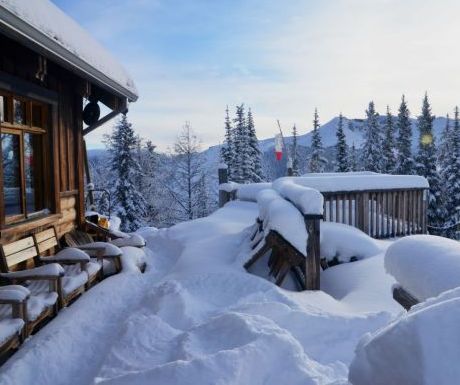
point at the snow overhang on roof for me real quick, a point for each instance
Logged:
(45, 27)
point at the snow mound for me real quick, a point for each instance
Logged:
(424, 265)
(344, 241)
(420, 347)
(308, 200)
(359, 182)
(281, 216)
(248, 192)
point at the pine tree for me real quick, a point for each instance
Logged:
(317, 161)
(353, 158)
(426, 165)
(388, 145)
(242, 164)
(227, 149)
(294, 152)
(372, 150)
(255, 161)
(451, 171)
(405, 161)
(445, 147)
(130, 203)
(341, 148)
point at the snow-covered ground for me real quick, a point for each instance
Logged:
(197, 317)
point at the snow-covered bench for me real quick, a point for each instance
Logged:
(66, 273)
(424, 266)
(288, 227)
(13, 310)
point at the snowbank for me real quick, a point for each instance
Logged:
(281, 216)
(421, 347)
(424, 265)
(306, 199)
(248, 192)
(344, 241)
(358, 182)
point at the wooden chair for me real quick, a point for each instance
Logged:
(118, 238)
(13, 316)
(72, 260)
(44, 282)
(101, 251)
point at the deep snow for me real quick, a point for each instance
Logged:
(197, 317)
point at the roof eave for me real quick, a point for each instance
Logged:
(26, 32)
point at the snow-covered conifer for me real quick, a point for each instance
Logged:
(388, 145)
(405, 164)
(294, 152)
(227, 149)
(130, 204)
(341, 148)
(242, 151)
(426, 165)
(317, 162)
(372, 148)
(256, 174)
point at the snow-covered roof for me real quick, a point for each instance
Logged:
(45, 26)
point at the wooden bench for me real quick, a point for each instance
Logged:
(98, 250)
(13, 316)
(47, 241)
(404, 298)
(44, 282)
(284, 257)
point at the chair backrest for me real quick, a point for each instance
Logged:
(46, 240)
(76, 238)
(16, 252)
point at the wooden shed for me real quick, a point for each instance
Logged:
(50, 70)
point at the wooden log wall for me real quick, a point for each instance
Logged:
(380, 213)
(67, 206)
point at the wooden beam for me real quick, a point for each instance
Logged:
(100, 122)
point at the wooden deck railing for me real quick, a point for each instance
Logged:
(379, 213)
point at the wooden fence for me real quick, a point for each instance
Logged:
(379, 213)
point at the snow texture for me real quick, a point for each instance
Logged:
(343, 241)
(308, 200)
(14, 293)
(248, 192)
(337, 182)
(197, 317)
(52, 269)
(51, 22)
(70, 254)
(134, 240)
(110, 250)
(281, 216)
(424, 265)
(420, 347)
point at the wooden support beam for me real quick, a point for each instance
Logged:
(313, 262)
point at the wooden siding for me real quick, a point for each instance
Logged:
(65, 128)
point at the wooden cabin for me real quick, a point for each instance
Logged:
(53, 77)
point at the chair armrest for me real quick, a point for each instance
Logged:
(11, 295)
(47, 272)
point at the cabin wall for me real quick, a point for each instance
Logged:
(67, 140)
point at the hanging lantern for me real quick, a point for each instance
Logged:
(278, 146)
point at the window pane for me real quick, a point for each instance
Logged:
(19, 111)
(33, 168)
(11, 178)
(37, 117)
(2, 108)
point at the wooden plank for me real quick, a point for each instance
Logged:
(338, 199)
(331, 209)
(404, 298)
(47, 245)
(21, 256)
(15, 247)
(44, 235)
(350, 210)
(393, 214)
(312, 273)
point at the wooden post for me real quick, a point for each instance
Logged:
(223, 178)
(312, 273)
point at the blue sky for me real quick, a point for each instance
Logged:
(190, 58)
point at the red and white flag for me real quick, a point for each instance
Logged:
(278, 146)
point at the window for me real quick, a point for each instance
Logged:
(24, 157)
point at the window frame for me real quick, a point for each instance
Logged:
(45, 149)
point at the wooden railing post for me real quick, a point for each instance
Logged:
(224, 196)
(312, 265)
